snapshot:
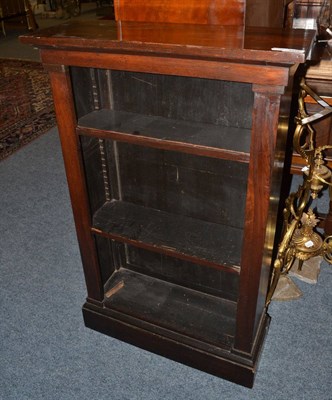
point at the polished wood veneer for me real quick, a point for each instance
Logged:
(233, 43)
(210, 12)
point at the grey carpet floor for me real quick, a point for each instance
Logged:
(47, 353)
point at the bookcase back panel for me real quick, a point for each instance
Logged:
(205, 188)
(192, 99)
(194, 276)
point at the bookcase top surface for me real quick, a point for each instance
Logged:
(258, 44)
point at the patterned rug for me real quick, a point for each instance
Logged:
(26, 104)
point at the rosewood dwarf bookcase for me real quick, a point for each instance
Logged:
(173, 138)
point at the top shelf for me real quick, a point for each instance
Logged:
(198, 138)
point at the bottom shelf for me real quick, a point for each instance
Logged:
(197, 315)
(132, 295)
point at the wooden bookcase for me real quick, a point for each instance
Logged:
(173, 139)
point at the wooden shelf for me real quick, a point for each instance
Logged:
(183, 237)
(218, 141)
(185, 311)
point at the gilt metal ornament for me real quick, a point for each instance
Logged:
(299, 241)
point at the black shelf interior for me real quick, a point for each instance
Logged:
(167, 179)
(178, 309)
(183, 237)
(158, 131)
(197, 115)
(203, 188)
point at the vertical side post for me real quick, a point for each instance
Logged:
(66, 120)
(258, 234)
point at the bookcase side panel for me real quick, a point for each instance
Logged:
(251, 303)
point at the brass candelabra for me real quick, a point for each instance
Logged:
(299, 241)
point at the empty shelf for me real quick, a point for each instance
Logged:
(188, 136)
(176, 235)
(176, 308)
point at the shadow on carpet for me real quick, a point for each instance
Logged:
(26, 104)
